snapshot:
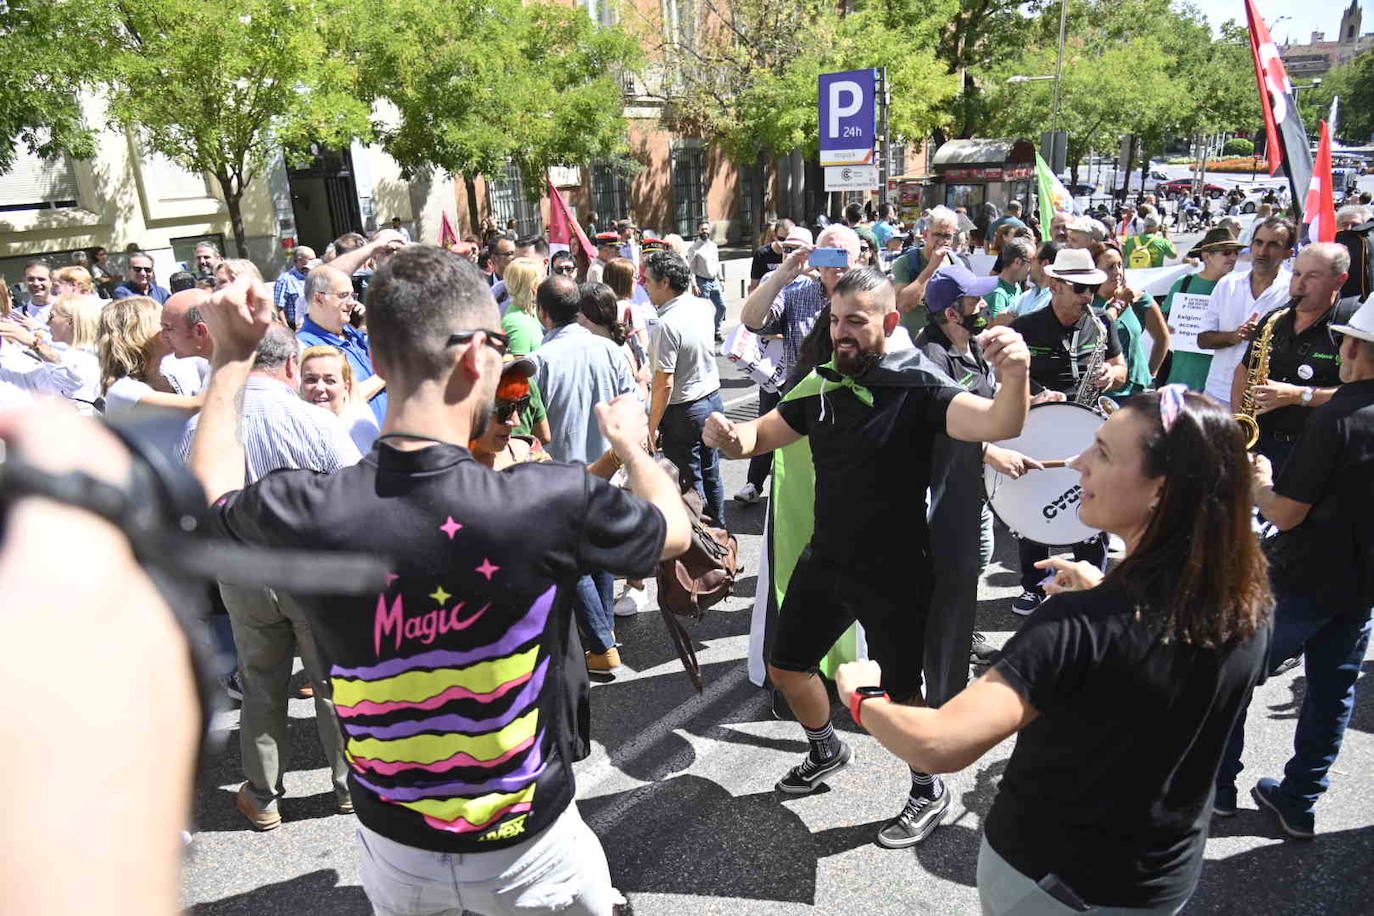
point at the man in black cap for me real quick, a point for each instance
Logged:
(607, 250)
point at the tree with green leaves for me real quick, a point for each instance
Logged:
(1354, 83)
(478, 83)
(746, 77)
(217, 86)
(38, 102)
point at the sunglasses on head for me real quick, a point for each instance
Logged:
(504, 408)
(494, 339)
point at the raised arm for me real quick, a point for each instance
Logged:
(623, 424)
(976, 419)
(760, 301)
(237, 316)
(351, 261)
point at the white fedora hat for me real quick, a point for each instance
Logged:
(1075, 265)
(1361, 323)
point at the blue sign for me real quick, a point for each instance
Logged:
(849, 124)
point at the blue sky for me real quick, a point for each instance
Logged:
(1305, 16)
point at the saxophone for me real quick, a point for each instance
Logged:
(1258, 374)
(1086, 394)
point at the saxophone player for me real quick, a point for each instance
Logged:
(1304, 358)
(1075, 351)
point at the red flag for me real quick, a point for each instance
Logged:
(562, 226)
(1319, 211)
(447, 236)
(1274, 85)
(1283, 128)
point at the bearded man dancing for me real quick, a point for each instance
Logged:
(870, 417)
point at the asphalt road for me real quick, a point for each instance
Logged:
(679, 788)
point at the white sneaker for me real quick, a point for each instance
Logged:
(631, 601)
(748, 494)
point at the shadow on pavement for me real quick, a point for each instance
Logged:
(1279, 878)
(316, 892)
(701, 840)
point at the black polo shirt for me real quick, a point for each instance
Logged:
(1331, 468)
(766, 260)
(1050, 342)
(449, 685)
(969, 370)
(1311, 359)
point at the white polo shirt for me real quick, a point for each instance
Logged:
(1230, 305)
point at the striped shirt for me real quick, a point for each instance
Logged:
(282, 431)
(287, 292)
(792, 315)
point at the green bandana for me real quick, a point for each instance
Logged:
(833, 379)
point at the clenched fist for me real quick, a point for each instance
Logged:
(720, 432)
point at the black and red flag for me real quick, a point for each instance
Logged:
(1286, 137)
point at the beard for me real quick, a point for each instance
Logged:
(855, 363)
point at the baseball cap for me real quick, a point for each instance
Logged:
(953, 282)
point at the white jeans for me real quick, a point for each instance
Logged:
(562, 870)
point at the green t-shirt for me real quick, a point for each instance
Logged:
(1158, 246)
(1002, 298)
(524, 330)
(1189, 368)
(526, 334)
(1130, 329)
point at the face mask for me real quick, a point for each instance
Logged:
(975, 323)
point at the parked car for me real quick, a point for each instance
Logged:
(1185, 186)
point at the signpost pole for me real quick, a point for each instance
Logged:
(884, 98)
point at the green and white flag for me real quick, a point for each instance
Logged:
(1054, 197)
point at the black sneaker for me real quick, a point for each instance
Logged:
(915, 823)
(803, 778)
(1288, 664)
(1026, 604)
(982, 652)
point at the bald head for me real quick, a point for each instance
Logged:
(183, 327)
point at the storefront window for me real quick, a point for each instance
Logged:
(967, 196)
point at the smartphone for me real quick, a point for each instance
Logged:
(829, 257)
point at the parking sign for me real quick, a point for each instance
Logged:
(849, 124)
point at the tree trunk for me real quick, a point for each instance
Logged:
(470, 186)
(233, 201)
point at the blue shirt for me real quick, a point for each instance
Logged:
(354, 345)
(578, 370)
(158, 293)
(882, 231)
(1032, 300)
(287, 292)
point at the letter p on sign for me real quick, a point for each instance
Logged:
(853, 99)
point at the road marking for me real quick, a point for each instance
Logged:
(740, 399)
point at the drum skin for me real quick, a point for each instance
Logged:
(1042, 506)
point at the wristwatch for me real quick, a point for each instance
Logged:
(1306, 397)
(857, 698)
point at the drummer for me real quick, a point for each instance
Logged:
(1063, 342)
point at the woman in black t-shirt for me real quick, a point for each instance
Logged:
(1123, 690)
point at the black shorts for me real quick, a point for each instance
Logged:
(824, 598)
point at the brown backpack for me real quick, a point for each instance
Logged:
(693, 582)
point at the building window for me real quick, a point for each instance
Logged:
(898, 164)
(508, 202)
(680, 22)
(689, 188)
(602, 12)
(610, 193)
(166, 180)
(37, 184)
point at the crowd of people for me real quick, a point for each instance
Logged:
(486, 416)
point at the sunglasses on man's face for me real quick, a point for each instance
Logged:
(494, 339)
(566, 269)
(504, 409)
(1082, 288)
